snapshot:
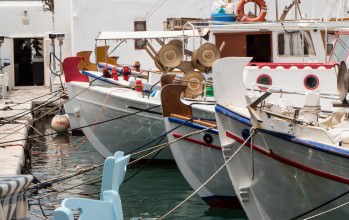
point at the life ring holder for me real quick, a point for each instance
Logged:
(241, 13)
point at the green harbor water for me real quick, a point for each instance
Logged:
(151, 193)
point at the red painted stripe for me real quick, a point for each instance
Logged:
(290, 162)
(289, 65)
(197, 142)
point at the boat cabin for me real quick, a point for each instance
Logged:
(276, 42)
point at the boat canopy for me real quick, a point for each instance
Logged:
(278, 26)
(110, 35)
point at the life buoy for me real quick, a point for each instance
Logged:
(241, 14)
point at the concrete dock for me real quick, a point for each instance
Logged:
(13, 134)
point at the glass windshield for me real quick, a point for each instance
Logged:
(341, 49)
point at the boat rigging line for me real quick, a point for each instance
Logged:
(156, 7)
(252, 133)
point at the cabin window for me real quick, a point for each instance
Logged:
(311, 82)
(264, 79)
(341, 49)
(140, 26)
(295, 44)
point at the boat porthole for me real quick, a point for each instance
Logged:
(311, 82)
(245, 133)
(264, 79)
(208, 138)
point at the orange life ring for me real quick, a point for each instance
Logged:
(241, 14)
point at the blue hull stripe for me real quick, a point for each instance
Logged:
(233, 115)
(307, 143)
(101, 78)
(191, 124)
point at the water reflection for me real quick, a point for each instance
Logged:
(150, 194)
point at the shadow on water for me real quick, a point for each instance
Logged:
(150, 194)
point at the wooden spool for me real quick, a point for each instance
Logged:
(194, 82)
(170, 55)
(205, 55)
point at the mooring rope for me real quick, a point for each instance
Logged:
(71, 187)
(85, 170)
(17, 116)
(252, 132)
(162, 146)
(320, 206)
(32, 99)
(327, 211)
(85, 126)
(31, 122)
(35, 215)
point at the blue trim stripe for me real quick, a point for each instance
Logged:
(109, 68)
(310, 144)
(233, 115)
(191, 124)
(306, 143)
(101, 78)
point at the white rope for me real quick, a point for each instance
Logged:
(38, 216)
(213, 175)
(327, 211)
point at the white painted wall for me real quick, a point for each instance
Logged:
(40, 24)
(91, 17)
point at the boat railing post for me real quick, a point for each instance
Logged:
(193, 27)
(277, 10)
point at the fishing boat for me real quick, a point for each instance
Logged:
(192, 153)
(133, 114)
(293, 154)
(281, 42)
(198, 155)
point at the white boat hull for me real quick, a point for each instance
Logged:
(125, 130)
(198, 157)
(90, 105)
(283, 177)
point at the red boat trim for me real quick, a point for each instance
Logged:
(260, 65)
(197, 141)
(289, 162)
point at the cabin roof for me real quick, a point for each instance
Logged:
(278, 26)
(110, 35)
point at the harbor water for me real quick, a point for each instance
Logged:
(147, 193)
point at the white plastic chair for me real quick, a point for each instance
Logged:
(109, 206)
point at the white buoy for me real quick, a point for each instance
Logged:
(60, 123)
